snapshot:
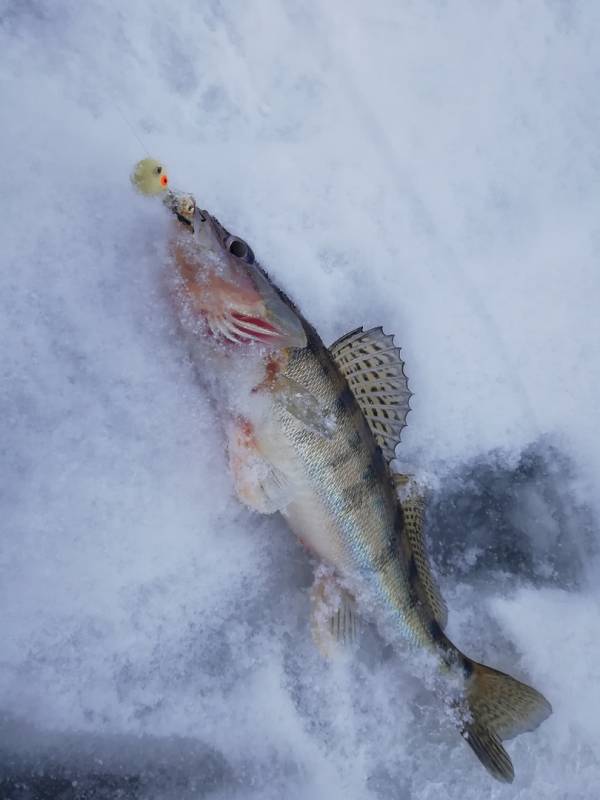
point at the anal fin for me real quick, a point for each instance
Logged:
(334, 620)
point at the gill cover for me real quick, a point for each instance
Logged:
(240, 302)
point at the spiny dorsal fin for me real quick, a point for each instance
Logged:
(372, 365)
(413, 506)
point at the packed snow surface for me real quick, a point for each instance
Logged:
(430, 167)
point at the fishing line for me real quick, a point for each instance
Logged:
(132, 129)
(129, 124)
(127, 121)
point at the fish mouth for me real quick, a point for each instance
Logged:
(182, 205)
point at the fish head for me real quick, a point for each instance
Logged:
(230, 290)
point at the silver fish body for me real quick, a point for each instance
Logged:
(301, 443)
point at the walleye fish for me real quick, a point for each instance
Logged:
(311, 432)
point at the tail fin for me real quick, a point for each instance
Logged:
(500, 707)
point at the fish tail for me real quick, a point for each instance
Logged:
(500, 707)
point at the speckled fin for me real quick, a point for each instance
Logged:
(413, 506)
(372, 365)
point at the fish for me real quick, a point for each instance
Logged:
(311, 433)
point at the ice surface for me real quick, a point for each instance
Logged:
(430, 167)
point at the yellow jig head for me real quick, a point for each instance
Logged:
(149, 177)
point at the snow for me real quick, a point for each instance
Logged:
(425, 166)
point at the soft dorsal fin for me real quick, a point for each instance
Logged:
(372, 365)
(413, 506)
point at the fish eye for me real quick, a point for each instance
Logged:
(238, 248)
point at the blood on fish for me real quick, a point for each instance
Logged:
(273, 367)
(246, 428)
